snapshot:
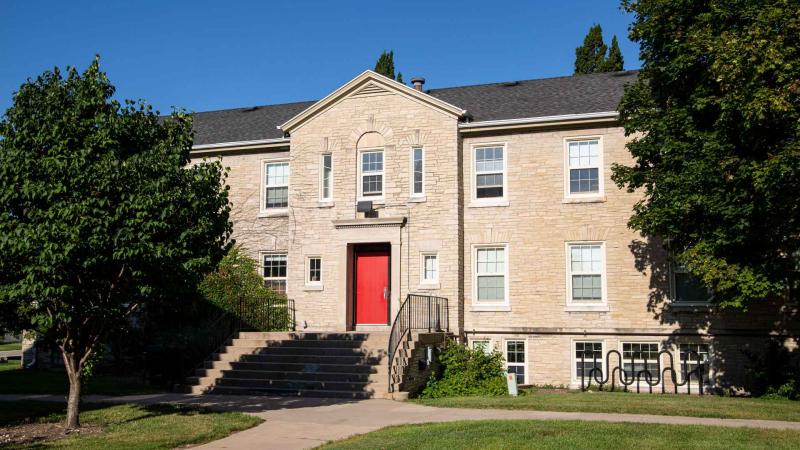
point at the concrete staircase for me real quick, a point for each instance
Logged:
(341, 365)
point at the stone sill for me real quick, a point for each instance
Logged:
(325, 204)
(418, 199)
(283, 212)
(689, 307)
(313, 287)
(587, 199)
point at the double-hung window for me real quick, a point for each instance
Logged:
(483, 345)
(326, 178)
(314, 270)
(638, 357)
(491, 271)
(686, 288)
(585, 273)
(692, 355)
(589, 355)
(490, 172)
(276, 182)
(430, 268)
(584, 175)
(417, 172)
(515, 359)
(372, 174)
(275, 265)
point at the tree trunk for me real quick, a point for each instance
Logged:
(74, 367)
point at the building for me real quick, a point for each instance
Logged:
(497, 197)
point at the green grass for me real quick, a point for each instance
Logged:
(9, 346)
(630, 403)
(16, 380)
(130, 426)
(508, 434)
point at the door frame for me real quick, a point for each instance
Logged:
(371, 247)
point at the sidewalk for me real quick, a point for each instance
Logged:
(299, 423)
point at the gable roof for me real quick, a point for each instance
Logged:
(372, 81)
(580, 94)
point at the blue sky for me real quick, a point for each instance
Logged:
(203, 55)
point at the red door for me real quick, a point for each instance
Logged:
(372, 286)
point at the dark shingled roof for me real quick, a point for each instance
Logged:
(510, 100)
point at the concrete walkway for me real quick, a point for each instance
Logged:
(299, 423)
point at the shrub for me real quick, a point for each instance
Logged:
(466, 372)
(775, 373)
(238, 288)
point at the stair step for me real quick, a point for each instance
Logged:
(330, 343)
(321, 351)
(301, 367)
(285, 375)
(292, 392)
(294, 384)
(318, 359)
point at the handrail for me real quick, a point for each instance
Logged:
(418, 312)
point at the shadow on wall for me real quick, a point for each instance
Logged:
(749, 351)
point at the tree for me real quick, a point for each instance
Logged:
(385, 66)
(715, 115)
(591, 56)
(614, 62)
(101, 212)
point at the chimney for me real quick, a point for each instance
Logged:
(418, 82)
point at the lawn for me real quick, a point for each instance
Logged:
(16, 380)
(121, 426)
(496, 434)
(10, 346)
(630, 403)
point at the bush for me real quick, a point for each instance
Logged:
(775, 373)
(467, 372)
(238, 288)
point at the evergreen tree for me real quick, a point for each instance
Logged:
(591, 56)
(385, 64)
(614, 61)
(400, 77)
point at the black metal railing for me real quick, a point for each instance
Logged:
(418, 312)
(603, 373)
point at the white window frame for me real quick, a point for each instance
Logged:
(586, 196)
(524, 365)
(423, 269)
(674, 268)
(579, 305)
(263, 268)
(309, 282)
(322, 197)
(488, 349)
(418, 196)
(660, 345)
(574, 360)
(706, 381)
(493, 306)
(361, 174)
(492, 201)
(263, 210)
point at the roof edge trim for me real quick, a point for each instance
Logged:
(603, 116)
(236, 145)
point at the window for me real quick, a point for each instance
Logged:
(430, 268)
(592, 353)
(687, 288)
(372, 174)
(515, 359)
(276, 180)
(489, 172)
(417, 172)
(690, 356)
(585, 273)
(326, 180)
(490, 274)
(314, 275)
(584, 162)
(482, 344)
(275, 272)
(634, 355)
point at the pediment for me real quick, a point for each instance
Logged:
(369, 83)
